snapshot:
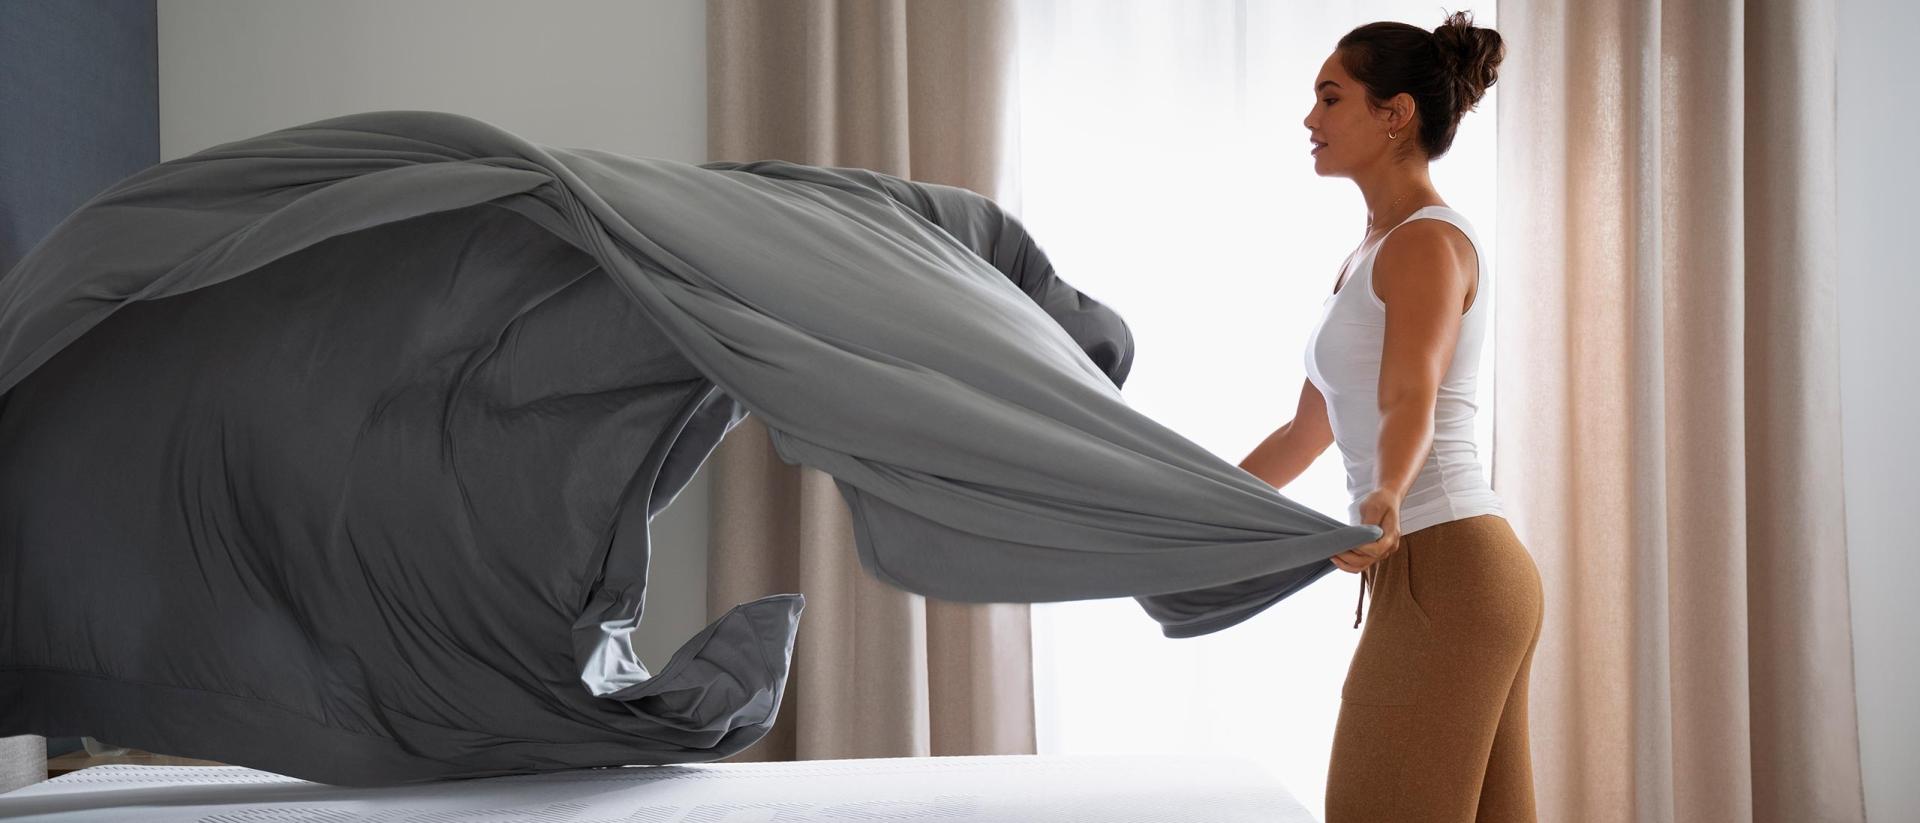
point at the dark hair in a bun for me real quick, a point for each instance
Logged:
(1445, 71)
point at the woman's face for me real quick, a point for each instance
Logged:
(1346, 133)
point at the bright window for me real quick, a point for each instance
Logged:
(1164, 169)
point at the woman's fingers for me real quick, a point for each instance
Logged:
(1352, 560)
(1367, 554)
(1362, 556)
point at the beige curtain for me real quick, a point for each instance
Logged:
(1668, 431)
(917, 90)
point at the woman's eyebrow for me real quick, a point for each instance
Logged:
(1324, 84)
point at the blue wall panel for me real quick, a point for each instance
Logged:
(79, 108)
(79, 111)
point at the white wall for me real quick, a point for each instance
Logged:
(1880, 386)
(627, 76)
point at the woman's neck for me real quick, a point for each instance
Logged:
(1394, 192)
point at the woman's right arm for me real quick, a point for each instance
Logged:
(1292, 448)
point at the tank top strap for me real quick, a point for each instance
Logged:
(1363, 267)
(1441, 213)
(1448, 215)
(1444, 214)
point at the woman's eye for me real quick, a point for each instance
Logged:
(1328, 100)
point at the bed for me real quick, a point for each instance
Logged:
(1000, 789)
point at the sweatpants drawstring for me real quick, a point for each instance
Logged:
(1363, 597)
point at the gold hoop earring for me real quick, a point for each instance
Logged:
(1389, 135)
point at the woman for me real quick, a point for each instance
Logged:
(1432, 722)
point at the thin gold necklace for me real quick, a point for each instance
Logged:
(1389, 208)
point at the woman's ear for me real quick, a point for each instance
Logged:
(1402, 107)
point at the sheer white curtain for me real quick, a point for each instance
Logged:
(1162, 165)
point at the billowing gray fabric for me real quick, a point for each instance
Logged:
(332, 451)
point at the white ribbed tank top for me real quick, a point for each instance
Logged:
(1343, 361)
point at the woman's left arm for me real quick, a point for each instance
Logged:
(1423, 273)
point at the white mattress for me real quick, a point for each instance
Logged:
(1001, 789)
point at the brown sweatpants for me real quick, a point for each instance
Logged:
(1433, 714)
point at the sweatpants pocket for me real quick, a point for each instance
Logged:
(1391, 659)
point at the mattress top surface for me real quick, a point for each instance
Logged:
(1002, 789)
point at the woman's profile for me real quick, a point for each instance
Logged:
(1433, 715)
